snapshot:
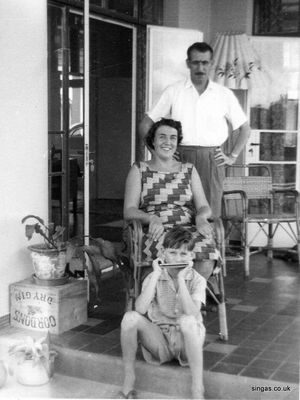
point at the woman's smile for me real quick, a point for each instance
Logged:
(166, 140)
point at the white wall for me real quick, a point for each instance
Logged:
(191, 14)
(210, 16)
(23, 135)
(231, 16)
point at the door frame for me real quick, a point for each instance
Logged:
(87, 16)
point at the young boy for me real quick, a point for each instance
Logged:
(167, 320)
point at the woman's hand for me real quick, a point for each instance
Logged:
(156, 228)
(203, 226)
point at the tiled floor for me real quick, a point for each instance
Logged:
(263, 318)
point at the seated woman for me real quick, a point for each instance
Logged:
(163, 192)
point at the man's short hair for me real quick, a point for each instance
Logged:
(202, 47)
(149, 139)
(177, 237)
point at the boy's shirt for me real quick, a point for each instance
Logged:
(165, 307)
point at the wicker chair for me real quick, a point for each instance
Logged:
(240, 209)
(138, 265)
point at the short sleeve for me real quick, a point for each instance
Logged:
(199, 288)
(146, 281)
(236, 115)
(162, 108)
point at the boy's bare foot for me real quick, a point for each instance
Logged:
(132, 394)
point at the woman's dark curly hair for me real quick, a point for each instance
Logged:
(149, 139)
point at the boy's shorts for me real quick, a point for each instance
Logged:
(170, 345)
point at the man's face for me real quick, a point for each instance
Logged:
(199, 65)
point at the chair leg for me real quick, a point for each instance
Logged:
(223, 334)
(222, 310)
(246, 249)
(270, 242)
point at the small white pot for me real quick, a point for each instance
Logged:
(32, 373)
(48, 263)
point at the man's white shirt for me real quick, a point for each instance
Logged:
(204, 117)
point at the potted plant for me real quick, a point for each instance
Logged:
(50, 257)
(34, 360)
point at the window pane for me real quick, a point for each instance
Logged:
(55, 68)
(127, 7)
(277, 146)
(277, 17)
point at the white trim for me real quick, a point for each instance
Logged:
(86, 49)
(133, 97)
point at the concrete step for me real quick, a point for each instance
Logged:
(66, 387)
(168, 381)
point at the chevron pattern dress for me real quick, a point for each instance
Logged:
(169, 196)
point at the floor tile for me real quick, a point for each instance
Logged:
(227, 368)
(105, 326)
(232, 300)
(287, 348)
(115, 350)
(80, 328)
(210, 337)
(290, 367)
(220, 348)
(246, 351)
(273, 355)
(261, 280)
(285, 278)
(237, 337)
(263, 335)
(285, 377)
(93, 321)
(238, 359)
(256, 372)
(265, 364)
(80, 340)
(245, 308)
(284, 338)
(210, 358)
(101, 345)
(255, 344)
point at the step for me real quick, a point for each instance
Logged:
(168, 380)
(62, 387)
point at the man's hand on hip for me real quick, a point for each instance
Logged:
(223, 159)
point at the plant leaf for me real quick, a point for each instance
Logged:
(29, 231)
(41, 221)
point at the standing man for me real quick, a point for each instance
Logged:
(205, 110)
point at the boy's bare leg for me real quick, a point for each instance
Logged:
(194, 351)
(133, 324)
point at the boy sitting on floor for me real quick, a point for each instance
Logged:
(172, 327)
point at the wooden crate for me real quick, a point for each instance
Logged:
(48, 308)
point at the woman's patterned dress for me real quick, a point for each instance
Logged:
(169, 196)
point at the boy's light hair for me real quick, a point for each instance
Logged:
(178, 236)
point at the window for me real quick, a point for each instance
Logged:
(276, 17)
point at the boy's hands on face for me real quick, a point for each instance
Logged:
(184, 271)
(156, 266)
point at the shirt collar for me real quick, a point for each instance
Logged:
(188, 83)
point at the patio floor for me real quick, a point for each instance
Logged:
(263, 319)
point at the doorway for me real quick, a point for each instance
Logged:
(111, 142)
(112, 123)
